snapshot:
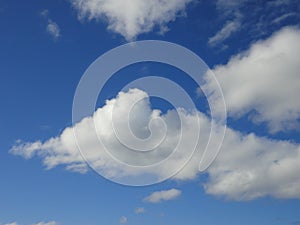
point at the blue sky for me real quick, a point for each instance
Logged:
(252, 48)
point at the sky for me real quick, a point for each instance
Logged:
(55, 171)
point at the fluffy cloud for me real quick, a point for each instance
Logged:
(165, 195)
(264, 81)
(248, 166)
(131, 17)
(52, 28)
(63, 150)
(14, 223)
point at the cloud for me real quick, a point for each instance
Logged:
(123, 220)
(139, 210)
(44, 13)
(248, 166)
(46, 223)
(230, 12)
(165, 195)
(256, 20)
(63, 150)
(131, 17)
(52, 28)
(263, 83)
(40, 223)
(284, 17)
(229, 28)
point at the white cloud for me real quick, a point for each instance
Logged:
(256, 20)
(228, 29)
(284, 17)
(165, 195)
(248, 166)
(123, 220)
(264, 81)
(139, 210)
(53, 29)
(63, 150)
(46, 223)
(131, 17)
(40, 223)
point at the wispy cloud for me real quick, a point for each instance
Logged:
(40, 223)
(284, 17)
(229, 28)
(46, 223)
(165, 195)
(255, 20)
(230, 12)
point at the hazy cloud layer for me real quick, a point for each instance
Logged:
(249, 167)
